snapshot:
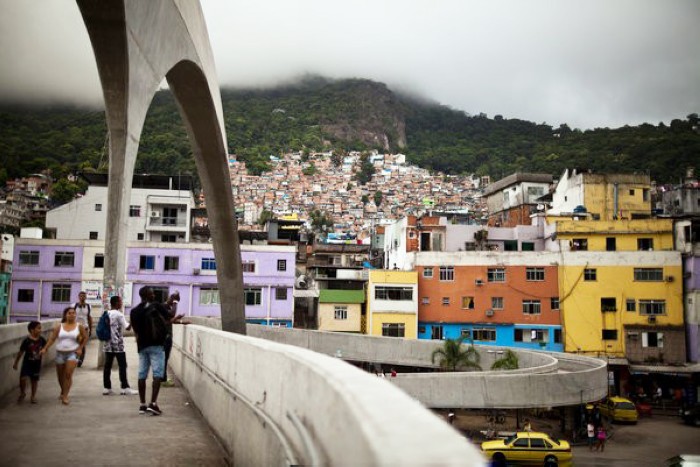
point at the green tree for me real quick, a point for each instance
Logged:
(378, 197)
(64, 191)
(319, 220)
(509, 361)
(265, 216)
(454, 357)
(366, 170)
(365, 199)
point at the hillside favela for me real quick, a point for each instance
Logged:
(337, 271)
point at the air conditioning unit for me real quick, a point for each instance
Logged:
(669, 278)
(489, 312)
(478, 282)
(651, 320)
(155, 214)
(196, 271)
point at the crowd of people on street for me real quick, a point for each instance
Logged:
(151, 322)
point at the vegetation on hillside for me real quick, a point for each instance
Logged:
(317, 114)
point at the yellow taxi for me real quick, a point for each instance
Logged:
(618, 409)
(528, 447)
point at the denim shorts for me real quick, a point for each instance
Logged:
(152, 357)
(63, 357)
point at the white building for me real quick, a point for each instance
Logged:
(159, 210)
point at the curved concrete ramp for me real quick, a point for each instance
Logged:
(137, 44)
(544, 379)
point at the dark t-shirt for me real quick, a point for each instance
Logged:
(31, 362)
(141, 323)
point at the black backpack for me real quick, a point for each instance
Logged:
(154, 320)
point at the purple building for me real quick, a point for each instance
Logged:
(48, 275)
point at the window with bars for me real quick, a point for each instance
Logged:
(281, 264)
(652, 307)
(447, 273)
(393, 329)
(393, 293)
(253, 296)
(64, 259)
(496, 275)
(60, 293)
(341, 312)
(534, 274)
(209, 296)
(649, 274)
(29, 258)
(590, 274)
(532, 307)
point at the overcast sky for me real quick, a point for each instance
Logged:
(588, 63)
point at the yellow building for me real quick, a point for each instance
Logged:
(392, 303)
(627, 304)
(611, 235)
(340, 310)
(603, 196)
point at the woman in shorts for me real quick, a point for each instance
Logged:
(70, 338)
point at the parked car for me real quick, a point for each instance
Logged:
(528, 447)
(691, 415)
(619, 409)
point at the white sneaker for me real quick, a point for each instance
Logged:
(128, 392)
(107, 392)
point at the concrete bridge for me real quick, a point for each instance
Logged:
(252, 401)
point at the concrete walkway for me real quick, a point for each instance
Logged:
(103, 430)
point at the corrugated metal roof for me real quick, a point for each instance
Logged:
(341, 296)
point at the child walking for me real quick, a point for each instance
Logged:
(31, 364)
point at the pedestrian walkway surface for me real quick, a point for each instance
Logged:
(104, 430)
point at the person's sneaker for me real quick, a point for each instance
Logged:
(106, 392)
(153, 409)
(142, 410)
(168, 384)
(128, 392)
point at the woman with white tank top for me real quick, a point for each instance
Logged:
(70, 338)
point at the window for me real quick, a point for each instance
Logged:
(393, 293)
(281, 293)
(609, 334)
(393, 329)
(134, 211)
(590, 274)
(529, 335)
(60, 293)
(537, 443)
(63, 259)
(169, 216)
(467, 303)
(93, 235)
(534, 274)
(281, 264)
(579, 244)
(652, 307)
(253, 296)
(649, 274)
(527, 246)
(436, 332)
(447, 273)
(147, 262)
(208, 264)
(653, 339)
(531, 307)
(484, 334)
(521, 443)
(557, 336)
(209, 296)
(341, 312)
(99, 261)
(465, 333)
(610, 244)
(496, 275)
(425, 300)
(139, 236)
(248, 266)
(631, 192)
(608, 304)
(168, 238)
(98, 207)
(510, 245)
(29, 258)
(645, 244)
(171, 263)
(445, 301)
(554, 303)
(497, 303)
(428, 273)
(25, 295)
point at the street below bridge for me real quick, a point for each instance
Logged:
(104, 430)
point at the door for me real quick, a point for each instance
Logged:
(436, 332)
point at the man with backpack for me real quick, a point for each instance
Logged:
(82, 311)
(150, 321)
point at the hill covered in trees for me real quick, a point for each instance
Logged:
(319, 114)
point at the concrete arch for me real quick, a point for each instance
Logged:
(138, 44)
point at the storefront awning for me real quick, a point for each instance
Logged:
(685, 369)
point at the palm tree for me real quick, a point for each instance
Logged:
(509, 361)
(454, 357)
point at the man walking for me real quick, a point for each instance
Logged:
(83, 311)
(150, 321)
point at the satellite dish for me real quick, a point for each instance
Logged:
(540, 207)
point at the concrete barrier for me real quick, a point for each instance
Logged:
(11, 336)
(274, 404)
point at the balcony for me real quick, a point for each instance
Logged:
(166, 224)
